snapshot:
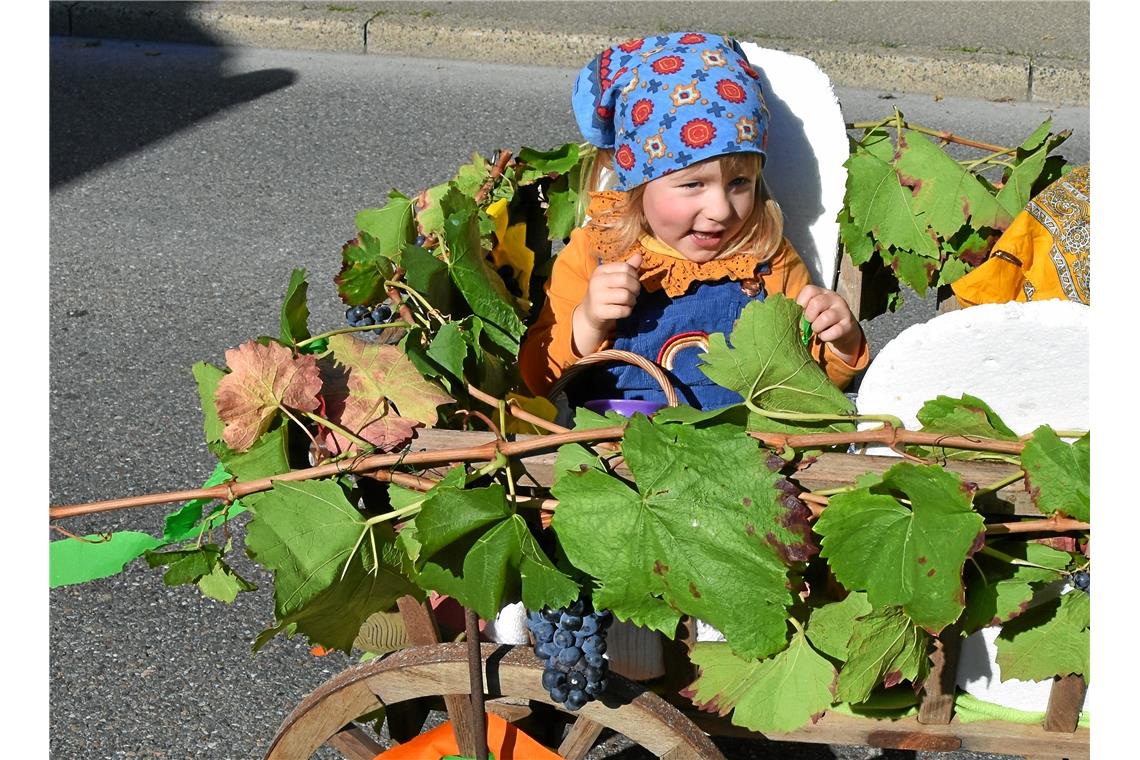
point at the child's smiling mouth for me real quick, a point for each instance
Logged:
(708, 240)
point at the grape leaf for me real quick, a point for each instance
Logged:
(391, 225)
(1018, 187)
(877, 142)
(334, 617)
(1051, 639)
(664, 548)
(378, 375)
(997, 591)
(857, 242)
(223, 584)
(885, 647)
(965, 416)
(1057, 473)
(472, 547)
(1037, 137)
(829, 626)
(562, 211)
(72, 561)
(767, 363)
(302, 531)
(778, 694)
(268, 456)
(295, 309)
(880, 205)
(911, 268)
(365, 264)
(538, 164)
(427, 275)
(449, 349)
(207, 376)
(263, 379)
(946, 196)
(183, 522)
(483, 289)
(908, 556)
(185, 565)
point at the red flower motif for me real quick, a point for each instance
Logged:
(698, 133)
(641, 111)
(632, 45)
(692, 39)
(604, 112)
(747, 69)
(668, 64)
(731, 91)
(624, 157)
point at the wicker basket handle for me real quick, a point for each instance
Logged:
(611, 355)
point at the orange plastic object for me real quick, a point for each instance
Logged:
(506, 741)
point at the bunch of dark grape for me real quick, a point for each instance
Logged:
(1081, 580)
(572, 642)
(365, 316)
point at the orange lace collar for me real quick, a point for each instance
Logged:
(662, 267)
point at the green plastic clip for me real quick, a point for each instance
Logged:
(805, 330)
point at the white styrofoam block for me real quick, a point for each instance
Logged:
(706, 632)
(509, 626)
(807, 146)
(1028, 361)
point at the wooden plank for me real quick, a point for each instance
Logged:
(1065, 699)
(994, 736)
(580, 738)
(938, 690)
(829, 470)
(355, 744)
(418, 620)
(849, 284)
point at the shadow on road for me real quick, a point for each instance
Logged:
(99, 114)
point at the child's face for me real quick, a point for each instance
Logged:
(699, 209)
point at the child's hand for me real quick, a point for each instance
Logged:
(610, 296)
(832, 321)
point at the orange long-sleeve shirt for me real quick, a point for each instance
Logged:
(548, 347)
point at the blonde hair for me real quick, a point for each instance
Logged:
(762, 232)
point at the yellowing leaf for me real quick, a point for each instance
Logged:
(511, 249)
(539, 407)
(263, 379)
(377, 372)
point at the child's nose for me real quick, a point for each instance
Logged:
(718, 208)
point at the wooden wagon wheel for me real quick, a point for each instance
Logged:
(326, 715)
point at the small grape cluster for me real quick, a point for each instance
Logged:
(1081, 580)
(572, 643)
(364, 316)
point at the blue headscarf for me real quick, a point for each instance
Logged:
(664, 103)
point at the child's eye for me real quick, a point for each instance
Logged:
(742, 182)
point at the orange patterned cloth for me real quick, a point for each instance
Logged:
(505, 740)
(1043, 254)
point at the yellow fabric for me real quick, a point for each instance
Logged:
(510, 247)
(1044, 254)
(505, 740)
(548, 347)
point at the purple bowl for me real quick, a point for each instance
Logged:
(626, 407)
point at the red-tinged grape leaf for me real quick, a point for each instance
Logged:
(907, 556)
(880, 205)
(1018, 187)
(72, 561)
(997, 591)
(767, 363)
(295, 309)
(954, 268)
(304, 532)
(685, 533)
(207, 377)
(472, 547)
(1057, 473)
(262, 380)
(365, 265)
(885, 647)
(1051, 639)
(334, 617)
(945, 194)
(911, 268)
(223, 584)
(366, 415)
(781, 693)
(379, 372)
(829, 626)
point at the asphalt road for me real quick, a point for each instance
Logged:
(186, 183)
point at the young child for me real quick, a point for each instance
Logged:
(689, 236)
